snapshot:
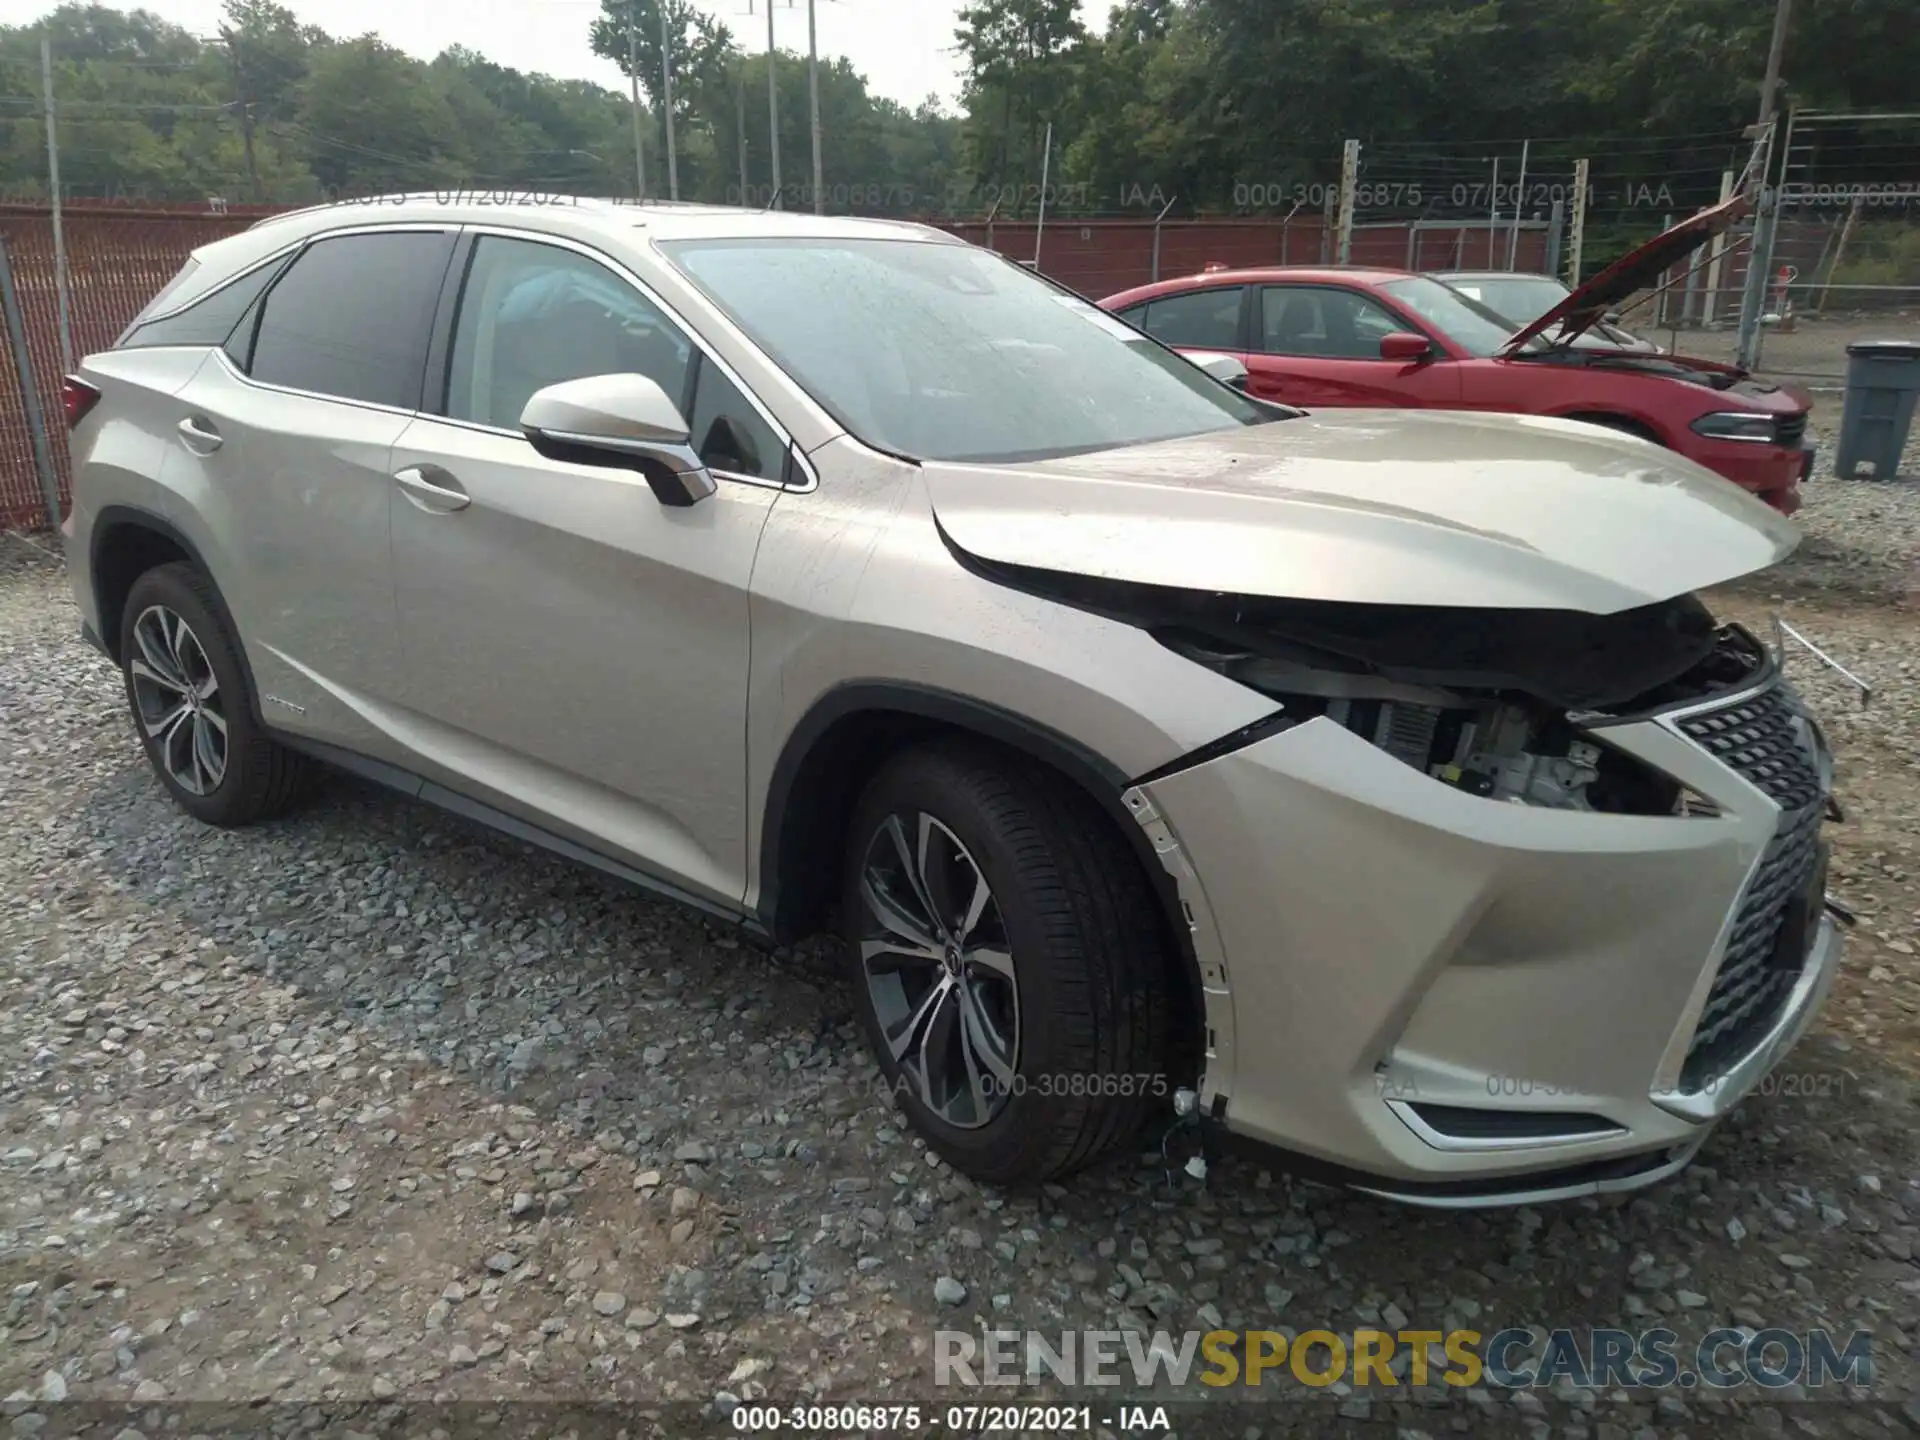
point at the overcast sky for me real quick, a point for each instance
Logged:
(904, 47)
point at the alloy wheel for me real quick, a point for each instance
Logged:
(177, 700)
(939, 969)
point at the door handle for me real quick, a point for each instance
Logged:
(199, 436)
(431, 488)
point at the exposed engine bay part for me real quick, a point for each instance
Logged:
(1499, 751)
(1508, 705)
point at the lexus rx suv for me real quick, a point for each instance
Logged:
(1369, 787)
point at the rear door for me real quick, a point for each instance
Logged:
(1210, 319)
(576, 652)
(1320, 345)
(283, 444)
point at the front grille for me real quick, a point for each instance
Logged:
(1790, 429)
(1751, 986)
(1765, 739)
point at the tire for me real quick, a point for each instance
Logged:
(1071, 1057)
(204, 740)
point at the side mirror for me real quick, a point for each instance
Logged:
(1227, 369)
(625, 421)
(1404, 345)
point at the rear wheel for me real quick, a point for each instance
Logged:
(193, 707)
(1008, 960)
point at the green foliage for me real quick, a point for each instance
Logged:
(1195, 101)
(275, 111)
(1879, 253)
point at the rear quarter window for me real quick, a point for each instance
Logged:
(208, 320)
(1198, 319)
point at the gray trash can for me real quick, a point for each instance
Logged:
(1883, 381)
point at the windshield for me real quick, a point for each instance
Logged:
(1467, 323)
(1519, 299)
(947, 352)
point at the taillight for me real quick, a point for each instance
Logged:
(79, 398)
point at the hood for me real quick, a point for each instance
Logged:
(1619, 282)
(1379, 507)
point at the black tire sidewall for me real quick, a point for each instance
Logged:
(1015, 1142)
(174, 587)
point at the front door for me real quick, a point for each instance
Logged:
(1319, 345)
(577, 653)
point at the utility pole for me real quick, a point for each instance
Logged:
(1520, 199)
(666, 103)
(1046, 163)
(1349, 180)
(1776, 51)
(633, 82)
(59, 234)
(1753, 297)
(1766, 213)
(813, 101)
(740, 121)
(773, 105)
(1493, 212)
(243, 93)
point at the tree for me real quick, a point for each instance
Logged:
(267, 56)
(370, 123)
(703, 57)
(1019, 77)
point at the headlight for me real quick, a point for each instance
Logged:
(1738, 425)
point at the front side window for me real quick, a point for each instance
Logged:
(945, 352)
(1322, 321)
(1469, 324)
(1198, 319)
(533, 315)
(352, 315)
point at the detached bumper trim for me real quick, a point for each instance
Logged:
(1605, 1176)
(86, 634)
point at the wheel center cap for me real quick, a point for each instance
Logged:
(950, 962)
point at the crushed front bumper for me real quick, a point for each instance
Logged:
(1453, 1000)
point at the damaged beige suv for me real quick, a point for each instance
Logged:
(1369, 786)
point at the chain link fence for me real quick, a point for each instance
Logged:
(117, 258)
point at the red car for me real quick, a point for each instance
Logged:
(1388, 338)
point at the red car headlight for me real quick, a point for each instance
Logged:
(1757, 429)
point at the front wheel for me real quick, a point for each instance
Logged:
(1009, 962)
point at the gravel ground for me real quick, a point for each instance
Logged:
(370, 1108)
(1862, 536)
(1813, 352)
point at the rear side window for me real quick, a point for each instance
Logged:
(351, 317)
(208, 320)
(1202, 319)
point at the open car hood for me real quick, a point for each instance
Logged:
(1632, 272)
(1374, 507)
